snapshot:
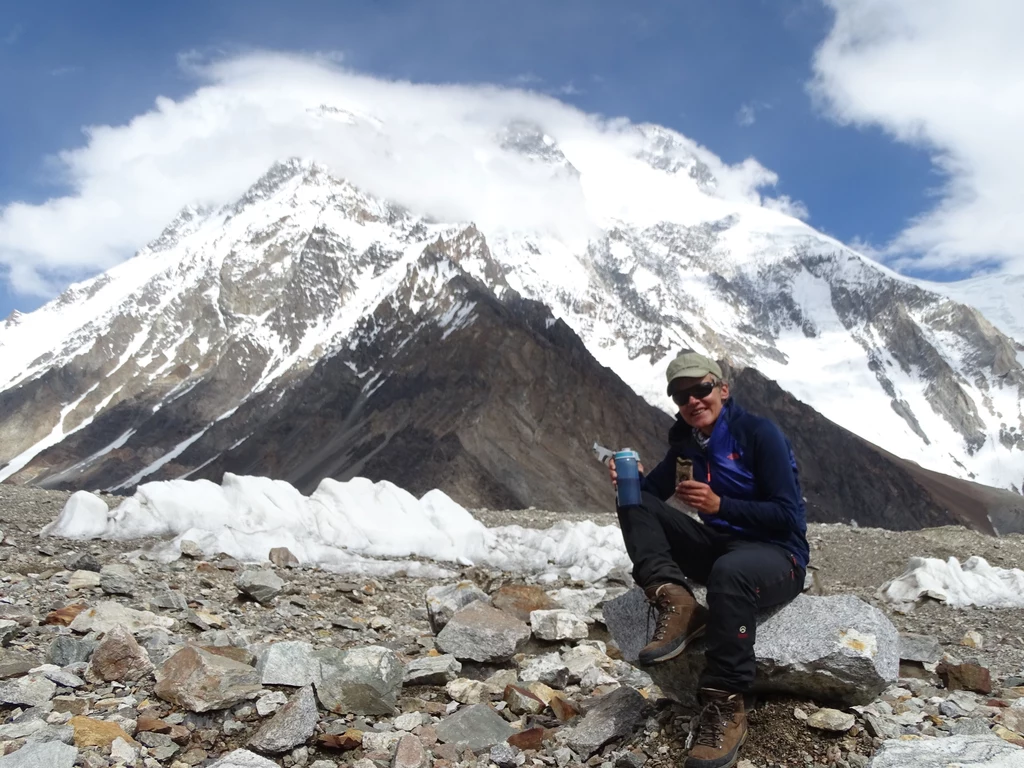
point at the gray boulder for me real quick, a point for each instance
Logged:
(610, 717)
(363, 681)
(117, 579)
(52, 754)
(32, 690)
(924, 649)
(261, 585)
(477, 727)
(835, 648)
(432, 670)
(201, 681)
(480, 632)
(443, 602)
(292, 662)
(959, 751)
(291, 725)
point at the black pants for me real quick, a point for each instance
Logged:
(741, 576)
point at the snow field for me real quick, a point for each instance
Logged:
(377, 528)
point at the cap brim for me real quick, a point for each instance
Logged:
(687, 373)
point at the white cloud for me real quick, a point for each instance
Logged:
(745, 115)
(947, 76)
(431, 148)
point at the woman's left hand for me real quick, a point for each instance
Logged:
(699, 496)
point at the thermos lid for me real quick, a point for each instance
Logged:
(626, 453)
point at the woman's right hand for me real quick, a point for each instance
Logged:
(615, 475)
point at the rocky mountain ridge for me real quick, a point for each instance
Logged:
(177, 356)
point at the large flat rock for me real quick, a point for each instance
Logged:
(834, 648)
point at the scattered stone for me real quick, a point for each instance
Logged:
(350, 739)
(966, 751)
(482, 633)
(410, 753)
(123, 752)
(170, 599)
(201, 681)
(531, 738)
(81, 561)
(521, 600)
(63, 616)
(243, 758)
(432, 670)
(383, 742)
(1009, 736)
(51, 754)
(31, 690)
(504, 755)
(61, 677)
(466, 691)
(291, 662)
(835, 648)
(260, 584)
(8, 630)
(971, 726)
(564, 709)
(270, 703)
(799, 714)
(105, 616)
(190, 549)
(444, 601)
(71, 704)
(582, 602)
(521, 701)
(478, 727)
(117, 579)
(83, 580)
(973, 639)
(365, 681)
(924, 649)
(97, 733)
(548, 669)
(609, 718)
(965, 677)
(826, 719)
(558, 624)
(119, 657)
(410, 721)
(283, 557)
(292, 725)
(66, 649)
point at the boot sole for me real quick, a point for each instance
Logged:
(677, 650)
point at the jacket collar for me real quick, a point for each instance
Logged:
(680, 436)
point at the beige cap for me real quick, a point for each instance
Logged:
(691, 365)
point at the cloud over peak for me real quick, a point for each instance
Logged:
(434, 149)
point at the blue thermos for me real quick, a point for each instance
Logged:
(627, 487)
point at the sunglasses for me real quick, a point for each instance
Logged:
(698, 391)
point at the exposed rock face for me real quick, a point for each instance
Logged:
(835, 648)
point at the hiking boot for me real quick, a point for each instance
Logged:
(721, 729)
(681, 620)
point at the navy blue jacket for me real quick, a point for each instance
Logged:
(750, 464)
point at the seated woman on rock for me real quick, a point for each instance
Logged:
(751, 550)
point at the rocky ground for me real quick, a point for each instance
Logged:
(109, 657)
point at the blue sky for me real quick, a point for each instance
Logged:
(731, 74)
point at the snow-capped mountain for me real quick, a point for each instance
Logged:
(154, 369)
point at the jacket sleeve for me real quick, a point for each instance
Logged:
(661, 481)
(777, 507)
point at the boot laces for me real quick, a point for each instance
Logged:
(712, 721)
(665, 607)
